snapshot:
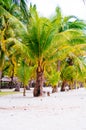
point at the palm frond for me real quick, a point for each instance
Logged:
(24, 72)
(7, 15)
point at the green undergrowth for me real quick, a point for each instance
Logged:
(4, 93)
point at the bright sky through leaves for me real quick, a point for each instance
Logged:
(69, 7)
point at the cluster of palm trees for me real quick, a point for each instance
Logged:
(44, 49)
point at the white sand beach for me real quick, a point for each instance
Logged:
(59, 111)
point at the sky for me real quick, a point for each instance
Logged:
(68, 7)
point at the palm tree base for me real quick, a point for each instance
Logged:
(37, 92)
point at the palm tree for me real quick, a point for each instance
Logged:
(66, 23)
(24, 72)
(45, 42)
(52, 77)
(72, 71)
(2, 53)
(2, 57)
(17, 8)
(10, 39)
(12, 30)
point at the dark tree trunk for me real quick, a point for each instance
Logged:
(38, 89)
(28, 87)
(12, 76)
(55, 89)
(24, 91)
(17, 87)
(58, 69)
(11, 83)
(70, 63)
(63, 85)
(0, 79)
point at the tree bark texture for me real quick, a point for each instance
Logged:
(63, 85)
(38, 89)
(54, 89)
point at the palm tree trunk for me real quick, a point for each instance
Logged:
(55, 89)
(63, 86)
(0, 79)
(12, 76)
(24, 91)
(17, 87)
(58, 69)
(38, 89)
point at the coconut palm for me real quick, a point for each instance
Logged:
(72, 71)
(24, 73)
(12, 30)
(17, 8)
(10, 39)
(2, 57)
(52, 77)
(66, 23)
(70, 22)
(45, 42)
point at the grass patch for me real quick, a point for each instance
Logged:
(7, 93)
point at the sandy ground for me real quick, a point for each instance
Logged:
(59, 111)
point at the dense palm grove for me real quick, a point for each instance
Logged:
(48, 50)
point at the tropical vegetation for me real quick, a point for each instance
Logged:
(45, 49)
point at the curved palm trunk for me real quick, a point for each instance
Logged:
(38, 89)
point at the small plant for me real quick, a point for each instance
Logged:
(24, 73)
